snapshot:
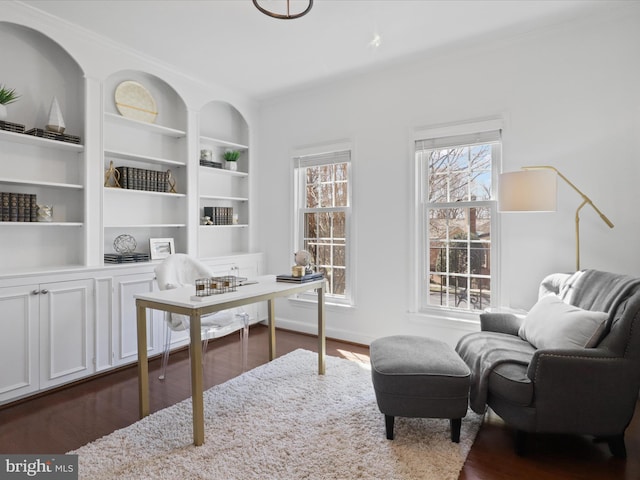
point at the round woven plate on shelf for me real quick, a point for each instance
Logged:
(135, 102)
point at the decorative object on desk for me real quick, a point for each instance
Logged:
(124, 244)
(302, 405)
(303, 258)
(161, 248)
(206, 287)
(171, 182)
(231, 157)
(45, 213)
(112, 176)
(56, 122)
(7, 96)
(534, 190)
(134, 101)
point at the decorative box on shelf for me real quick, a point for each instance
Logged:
(11, 127)
(61, 137)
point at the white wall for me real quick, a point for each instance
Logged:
(570, 97)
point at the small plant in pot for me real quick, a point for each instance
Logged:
(7, 96)
(231, 156)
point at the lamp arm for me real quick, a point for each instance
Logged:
(584, 197)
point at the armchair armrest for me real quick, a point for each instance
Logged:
(583, 390)
(500, 322)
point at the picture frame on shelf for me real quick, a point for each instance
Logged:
(161, 248)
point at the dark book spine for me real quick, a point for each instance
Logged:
(21, 206)
(4, 198)
(122, 176)
(34, 207)
(13, 207)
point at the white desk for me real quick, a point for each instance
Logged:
(179, 301)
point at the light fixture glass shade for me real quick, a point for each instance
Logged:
(527, 191)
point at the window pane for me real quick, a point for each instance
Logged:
(326, 195)
(339, 220)
(459, 265)
(312, 196)
(342, 199)
(459, 174)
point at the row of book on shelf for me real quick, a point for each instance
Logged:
(133, 178)
(18, 207)
(219, 215)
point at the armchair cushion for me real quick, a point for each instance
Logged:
(552, 323)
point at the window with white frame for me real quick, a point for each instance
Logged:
(457, 217)
(322, 216)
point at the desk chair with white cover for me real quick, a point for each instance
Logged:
(178, 270)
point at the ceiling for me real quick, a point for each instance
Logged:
(230, 43)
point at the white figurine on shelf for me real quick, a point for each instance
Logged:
(56, 122)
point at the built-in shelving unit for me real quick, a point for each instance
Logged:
(158, 147)
(52, 170)
(222, 128)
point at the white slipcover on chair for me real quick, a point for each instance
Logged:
(178, 270)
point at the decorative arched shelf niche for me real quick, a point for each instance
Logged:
(223, 192)
(151, 157)
(49, 166)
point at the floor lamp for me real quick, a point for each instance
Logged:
(534, 190)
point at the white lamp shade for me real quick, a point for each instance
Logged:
(527, 191)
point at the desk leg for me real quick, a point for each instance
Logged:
(143, 363)
(272, 328)
(197, 400)
(322, 344)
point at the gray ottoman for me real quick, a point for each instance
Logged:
(419, 377)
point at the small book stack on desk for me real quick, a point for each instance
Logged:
(305, 278)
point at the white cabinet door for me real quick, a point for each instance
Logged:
(66, 330)
(125, 333)
(18, 342)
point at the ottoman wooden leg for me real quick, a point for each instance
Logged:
(388, 422)
(456, 423)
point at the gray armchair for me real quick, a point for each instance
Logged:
(572, 365)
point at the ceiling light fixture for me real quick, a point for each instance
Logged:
(283, 16)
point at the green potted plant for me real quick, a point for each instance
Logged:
(7, 96)
(231, 156)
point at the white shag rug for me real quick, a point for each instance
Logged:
(283, 421)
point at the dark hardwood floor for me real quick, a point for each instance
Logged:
(68, 418)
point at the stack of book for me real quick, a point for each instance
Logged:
(125, 257)
(18, 207)
(133, 178)
(210, 163)
(219, 215)
(61, 137)
(11, 127)
(305, 278)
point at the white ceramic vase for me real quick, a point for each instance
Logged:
(233, 166)
(3, 112)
